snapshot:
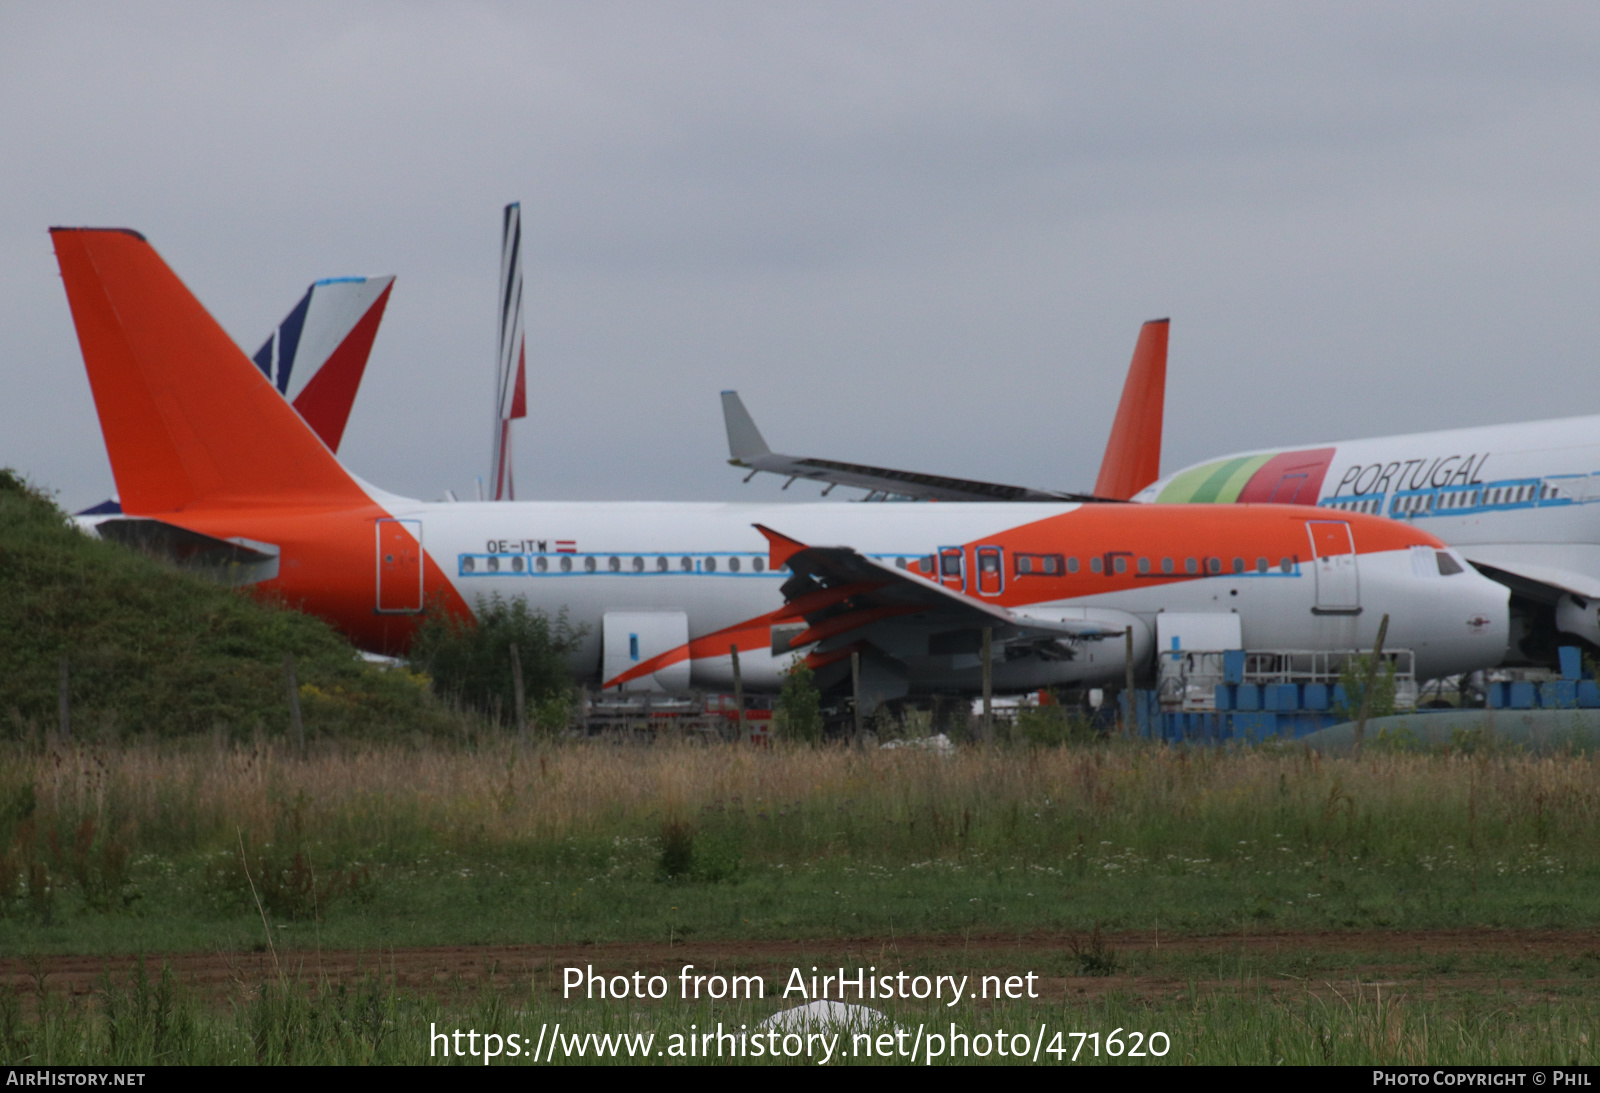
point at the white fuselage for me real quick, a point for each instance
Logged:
(709, 564)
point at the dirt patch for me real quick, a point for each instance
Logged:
(1412, 963)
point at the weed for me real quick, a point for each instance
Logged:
(800, 705)
(1094, 957)
(469, 659)
(677, 850)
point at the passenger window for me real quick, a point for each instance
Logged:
(1120, 563)
(1238, 565)
(899, 563)
(687, 565)
(566, 563)
(758, 565)
(588, 564)
(1190, 565)
(1261, 565)
(733, 565)
(711, 565)
(1213, 566)
(638, 565)
(468, 565)
(541, 564)
(1072, 564)
(494, 565)
(615, 565)
(1095, 564)
(1144, 566)
(1285, 565)
(516, 565)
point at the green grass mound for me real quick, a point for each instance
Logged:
(152, 650)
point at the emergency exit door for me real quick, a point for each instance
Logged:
(399, 565)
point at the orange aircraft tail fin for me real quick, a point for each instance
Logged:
(188, 420)
(1133, 453)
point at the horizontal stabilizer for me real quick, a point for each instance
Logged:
(232, 561)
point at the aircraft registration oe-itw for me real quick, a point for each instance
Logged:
(214, 463)
(1521, 502)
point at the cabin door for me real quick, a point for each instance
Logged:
(1338, 583)
(399, 565)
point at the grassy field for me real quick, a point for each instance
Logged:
(154, 651)
(1220, 884)
(147, 1017)
(158, 848)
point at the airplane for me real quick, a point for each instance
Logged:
(1132, 457)
(1522, 519)
(214, 467)
(315, 358)
(1520, 502)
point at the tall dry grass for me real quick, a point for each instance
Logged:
(398, 801)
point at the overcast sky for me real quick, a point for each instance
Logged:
(919, 235)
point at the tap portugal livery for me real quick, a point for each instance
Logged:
(1521, 502)
(216, 469)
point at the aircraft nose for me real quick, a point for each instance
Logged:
(1488, 620)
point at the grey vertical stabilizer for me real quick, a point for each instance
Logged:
(744, 439)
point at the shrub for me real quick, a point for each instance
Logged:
(1048, 726)
(1353, 678)
(800, 704)
(469, 660)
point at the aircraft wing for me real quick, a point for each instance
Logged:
(1515, 572)
(837, 591)
(747, 448)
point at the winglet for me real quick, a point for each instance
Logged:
(744, 439)
(780, 548)
(1133, 452)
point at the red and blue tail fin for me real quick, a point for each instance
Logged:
(317, 355)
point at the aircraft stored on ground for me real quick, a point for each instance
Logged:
(1520, 502)
(215, 468)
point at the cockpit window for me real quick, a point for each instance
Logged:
(1448, 566)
